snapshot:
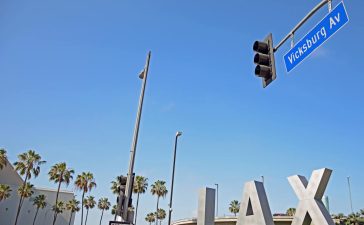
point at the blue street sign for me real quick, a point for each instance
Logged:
(331, 23)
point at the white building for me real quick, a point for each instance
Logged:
(9, 206)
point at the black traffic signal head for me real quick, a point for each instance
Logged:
(122, 180)
(264, 58)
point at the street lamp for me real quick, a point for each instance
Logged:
(217, 200)
(351, 201)
(129, 183)
(179, 133)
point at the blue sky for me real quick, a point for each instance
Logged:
(69, 90)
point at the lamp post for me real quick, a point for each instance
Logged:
(217, 200)
(262, 179)
(179, 133)
(128, 189)
(351, 201)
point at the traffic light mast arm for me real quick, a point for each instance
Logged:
(313, 11)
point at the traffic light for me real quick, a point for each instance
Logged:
(121, 198)
(130, 203)
(264, 58)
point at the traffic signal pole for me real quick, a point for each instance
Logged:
(129, 182)
(264, 57)
(313, 11)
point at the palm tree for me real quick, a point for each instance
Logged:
(334, 216)
(4, 192)
(28, 164)
(291, 211)
(40, 203)
(89, 203)
(59, 173)
(159, 189)
(113, 211)
(161, 215)
(25, 191)
(84, 182)
(140, 186)
(72, 205)
(341, 215)
(58, 209)
(352, 218)
(234, 207)
(150, 218)
(104, 204)
(3, 158)
(115, 185)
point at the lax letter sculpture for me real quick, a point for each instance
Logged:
(254, 208)
(206, 207)
(310, 207)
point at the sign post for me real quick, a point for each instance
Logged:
(328, 26)
(116, 223)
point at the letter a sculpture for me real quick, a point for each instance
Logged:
(254, 208)
(310, 207)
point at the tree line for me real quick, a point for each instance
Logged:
(158, 188)
(28, 166)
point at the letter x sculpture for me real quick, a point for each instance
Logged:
(310, 207)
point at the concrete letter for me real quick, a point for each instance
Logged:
(254, 207)
(206, 207)
(310, 207)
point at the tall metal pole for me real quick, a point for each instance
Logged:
(172, 182)
(128, 188)
(351, 201)
(217, 200)
(313, 11)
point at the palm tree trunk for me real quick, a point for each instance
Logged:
(156, 213)
(102, 213)
(55, 217)
(83, 196)
(35, 217)
(21, 198)
(136, 210)
(70, 218)
(59, 187)
(86, 217)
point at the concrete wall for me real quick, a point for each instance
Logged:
(279, 220)
(206, 207)
(9, 206)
